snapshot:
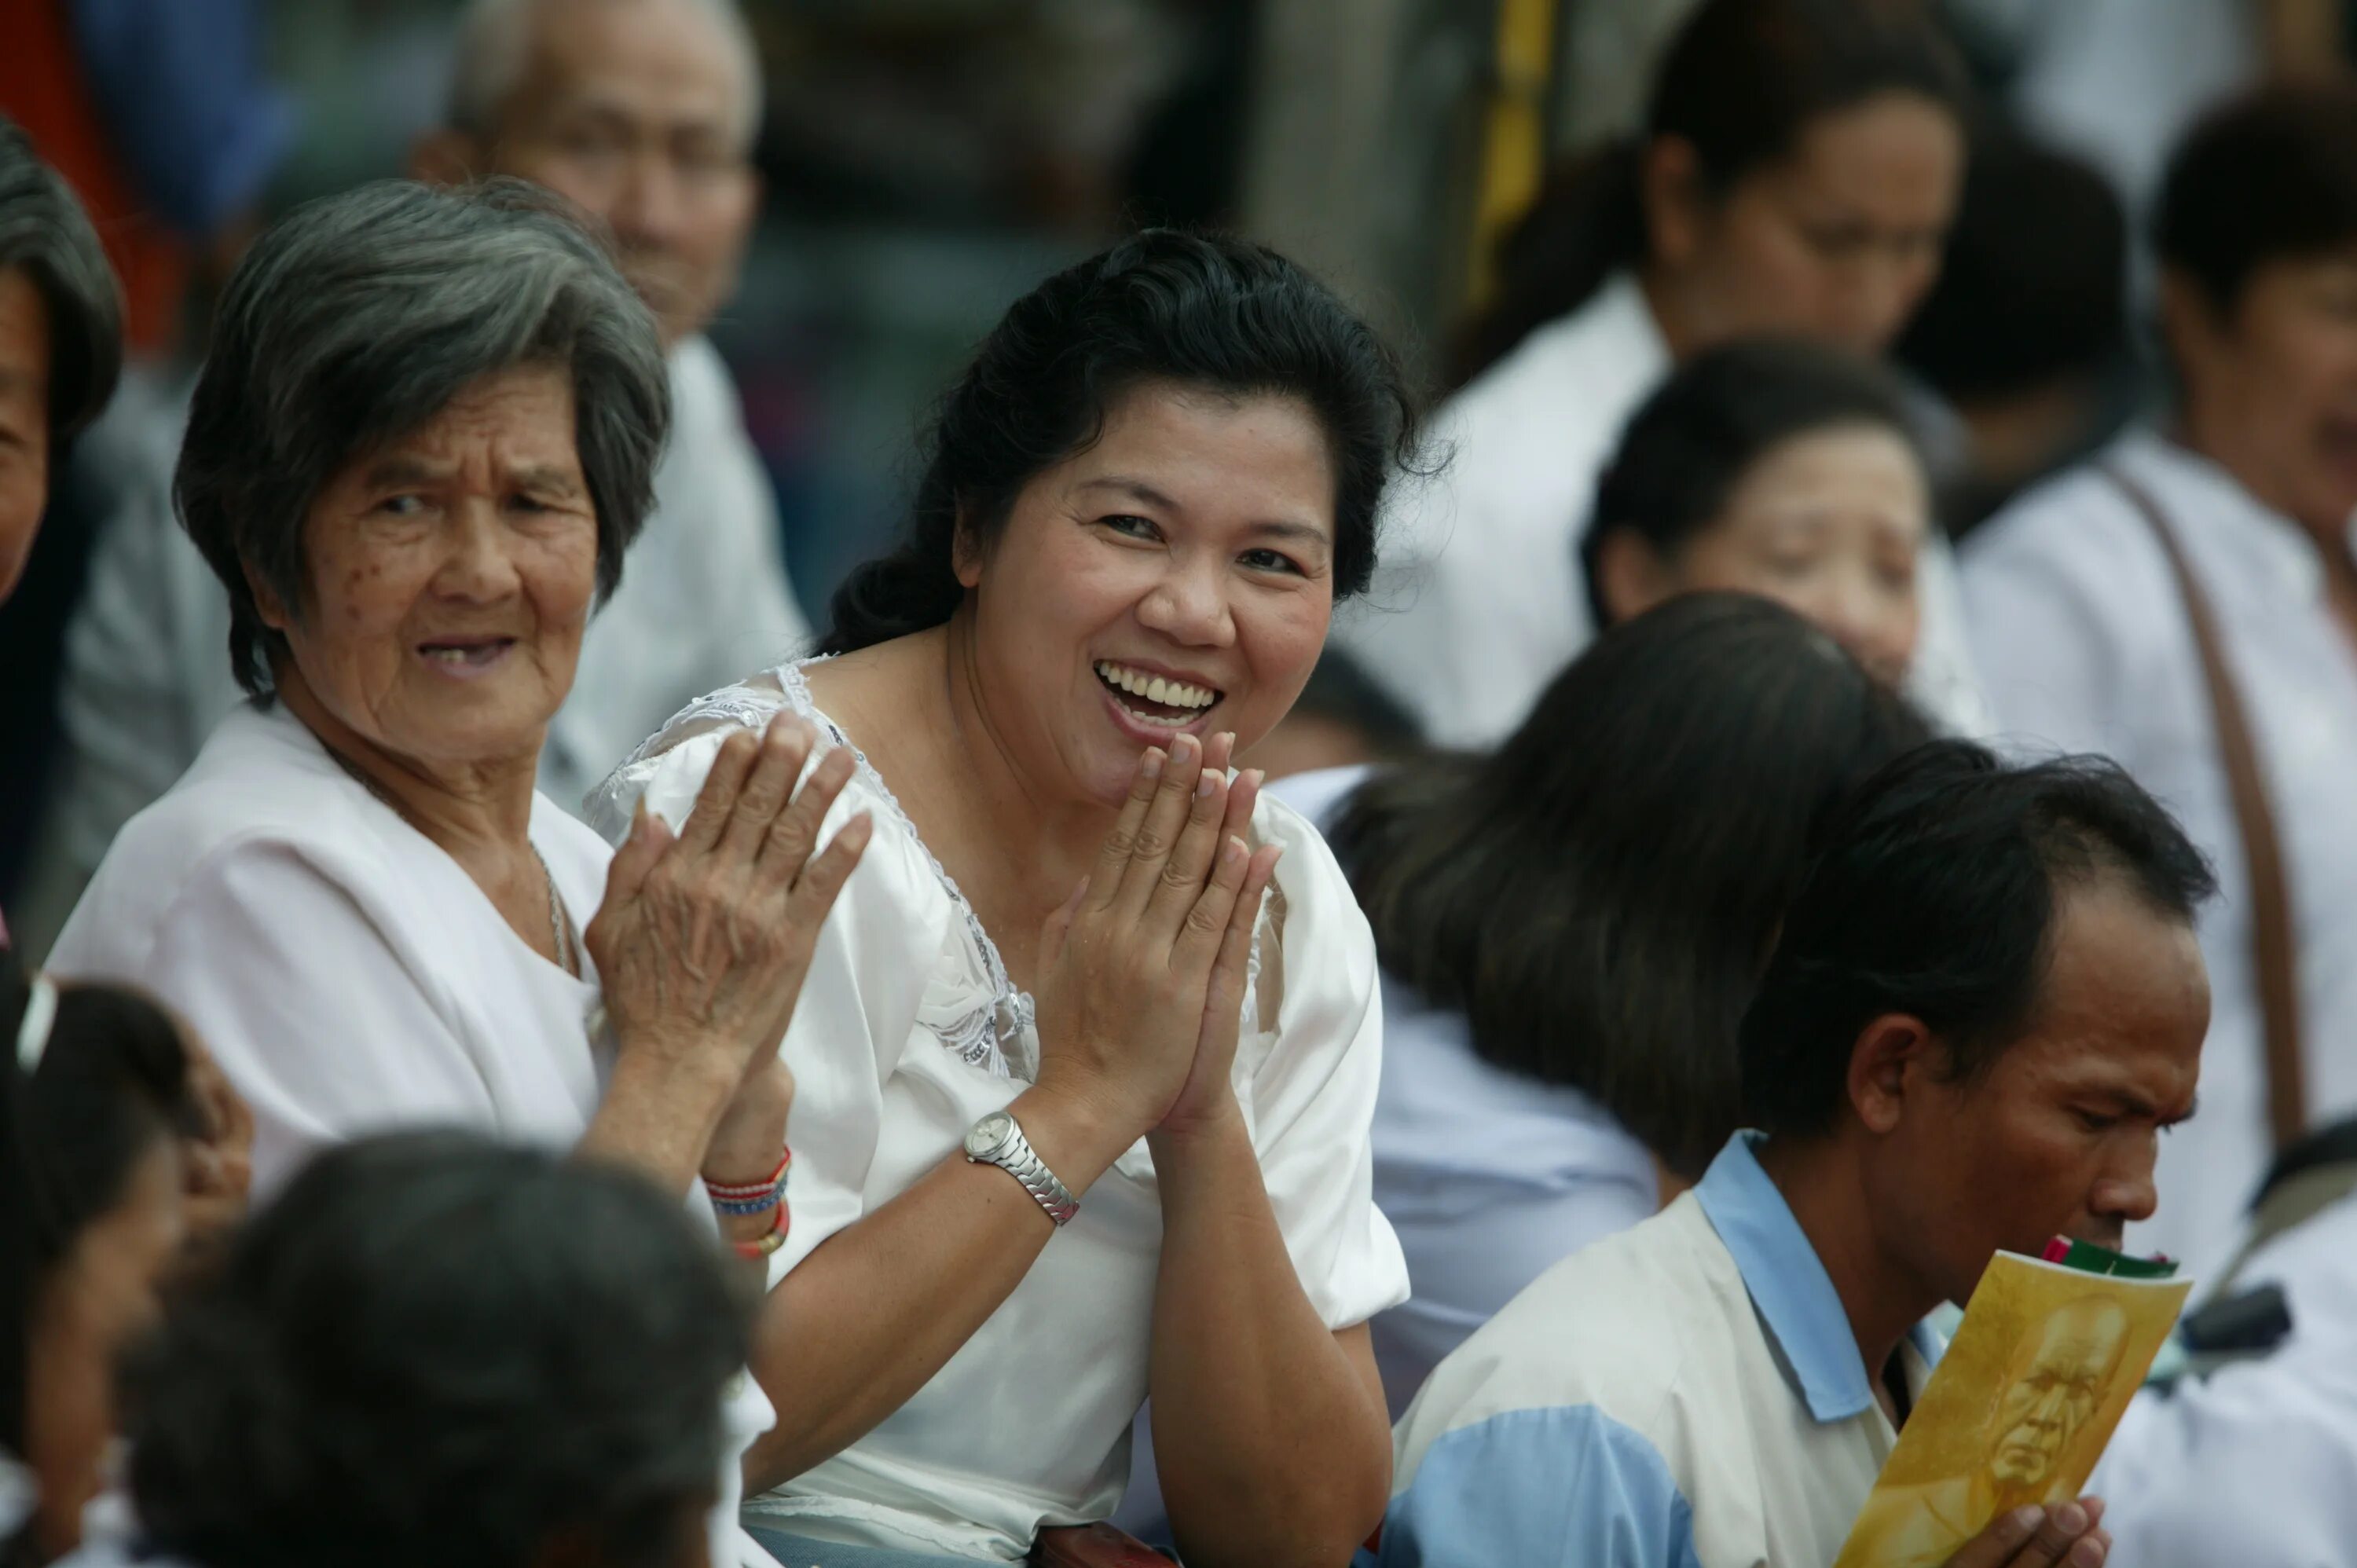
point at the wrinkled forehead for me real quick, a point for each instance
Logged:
(669, 66)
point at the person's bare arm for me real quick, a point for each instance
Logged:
(868, 1318)
(1270, 1431)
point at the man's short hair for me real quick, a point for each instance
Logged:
(493, 49)
(2269, 177)
(1933, 895)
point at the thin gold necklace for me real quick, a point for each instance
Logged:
(560, 924)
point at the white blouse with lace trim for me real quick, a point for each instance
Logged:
(910, 1030)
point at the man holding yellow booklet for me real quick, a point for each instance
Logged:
(1986, 1003)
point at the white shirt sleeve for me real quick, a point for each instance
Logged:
(310, 1010)
(1314, 1097)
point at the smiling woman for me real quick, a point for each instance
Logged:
(425, 434)
(1142, 503)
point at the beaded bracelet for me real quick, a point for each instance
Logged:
(774, 1237)
(751, 1198)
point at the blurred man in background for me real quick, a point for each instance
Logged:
(643, 112)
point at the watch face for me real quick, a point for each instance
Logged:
(988, 1133)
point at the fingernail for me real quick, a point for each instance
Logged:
(1151, 765)
(1257, 775)
(1207, 783)
(1234, 849)
(2071, 1518)
(2088, 1554)
(1185, 748)
(2024, 1520)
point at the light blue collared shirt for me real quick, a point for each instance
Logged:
(1687, 1394)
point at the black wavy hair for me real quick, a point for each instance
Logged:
(1598, 897)
(436, 1349)
(1198, 310)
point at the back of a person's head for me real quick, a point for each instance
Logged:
(1742, 83)
(436, 1349)
(44, 234)
(2034, 288)
(2268, 177)
(1202, 311)
(1689, 445)
(1934, 896)
(1599, 894)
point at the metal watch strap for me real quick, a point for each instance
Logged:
(1012, 1153)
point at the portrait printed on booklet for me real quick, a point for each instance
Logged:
(2020, 1409)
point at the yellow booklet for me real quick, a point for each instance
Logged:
(2019, 1408)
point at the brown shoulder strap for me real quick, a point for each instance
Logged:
(2274, 955)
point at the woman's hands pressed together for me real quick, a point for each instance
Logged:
(1155, 941)
(702, 945)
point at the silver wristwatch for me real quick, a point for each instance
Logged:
(997, 1140)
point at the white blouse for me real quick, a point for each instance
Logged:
(351, 978)
(908, 1031)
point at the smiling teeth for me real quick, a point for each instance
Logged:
(1155, 688)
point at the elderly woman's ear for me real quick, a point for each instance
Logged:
(267, 605)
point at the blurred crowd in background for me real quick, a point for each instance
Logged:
(1540, 205)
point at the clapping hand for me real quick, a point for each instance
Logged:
(703, 938)
(1127, 965)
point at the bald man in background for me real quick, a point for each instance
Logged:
(643, 112)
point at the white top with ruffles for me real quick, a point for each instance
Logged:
(907, 1032)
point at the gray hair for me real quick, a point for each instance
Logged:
(357, 319)
(494, 49)
(45, 232)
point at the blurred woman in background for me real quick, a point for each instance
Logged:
(60, 336)
(1800, 165)
(1775, 467)
(99, 1114)
(1570, 929)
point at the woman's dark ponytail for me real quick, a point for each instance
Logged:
(1743, 79)
(1587, 223)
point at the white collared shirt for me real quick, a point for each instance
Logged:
(1686, 1394)
(1479, 601)
(703, 597)
(2082, 634)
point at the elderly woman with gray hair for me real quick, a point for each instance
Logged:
(423, 441)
